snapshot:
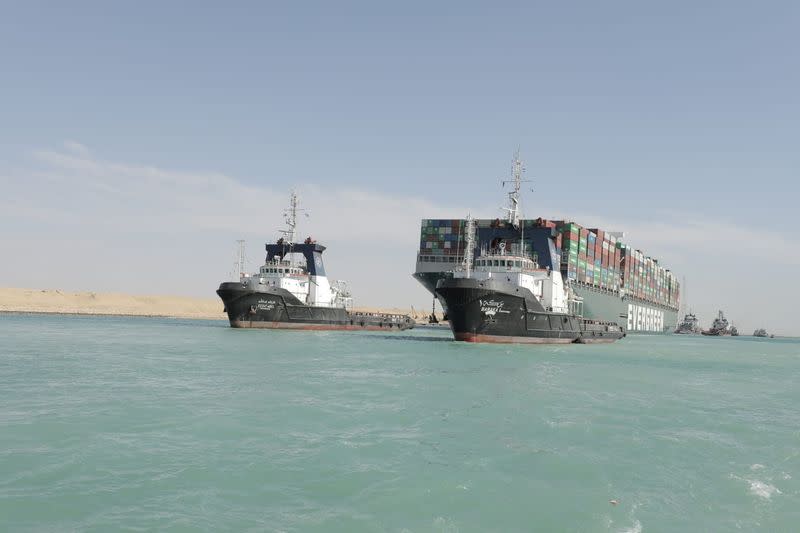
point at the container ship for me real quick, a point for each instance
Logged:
(291, 291)
(504, 296)
(610, 280)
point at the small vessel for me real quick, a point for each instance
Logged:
(291, 291)
(734, 331)
(688, 326)
(719, 327)
(503, 296)
(760, 332)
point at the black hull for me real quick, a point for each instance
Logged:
(498, 312)
(274, 308)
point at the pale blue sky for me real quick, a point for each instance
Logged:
(633, 114)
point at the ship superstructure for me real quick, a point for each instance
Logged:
(613, 280)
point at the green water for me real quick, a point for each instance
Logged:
(141, 424)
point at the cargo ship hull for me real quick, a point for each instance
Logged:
(633, 314)
(276, 308)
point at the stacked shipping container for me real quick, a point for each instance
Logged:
(590, 256)
(594, 257)
(441, 241)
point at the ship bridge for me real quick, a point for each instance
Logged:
(309, 249)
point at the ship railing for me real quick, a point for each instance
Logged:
(496, 252)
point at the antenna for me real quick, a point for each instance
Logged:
(290, 217)
(516, 182)
(470, 244)
(240, 267)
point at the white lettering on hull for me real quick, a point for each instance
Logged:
(265, 305)
(491, 308)
(642, 318)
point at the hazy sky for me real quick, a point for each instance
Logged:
(140, 139)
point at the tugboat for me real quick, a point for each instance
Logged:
(719, 327)
(760, 332)
(689, 325)
(502, 296)
(293, 293)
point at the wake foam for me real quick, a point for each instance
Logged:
(763, 490)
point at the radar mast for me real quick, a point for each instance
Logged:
(516, 182)
(469, 248)
(290, 217)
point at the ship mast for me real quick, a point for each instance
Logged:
(516, 182)
(240, 260)
(469, 247)
(290, 217)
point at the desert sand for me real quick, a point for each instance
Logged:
(92, 303)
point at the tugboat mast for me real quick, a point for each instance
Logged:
(290, 217)
(469, 247)
(240, 260)
(516, 182)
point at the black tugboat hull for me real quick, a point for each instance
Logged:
(492, 311)
(509, 339)
(497, 312)
(274, 308)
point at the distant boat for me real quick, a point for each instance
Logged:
(760, 332)
(688, 326)
(719, 327)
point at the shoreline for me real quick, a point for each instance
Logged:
(120, 315)
(88, 303)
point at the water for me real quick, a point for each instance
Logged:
(146, 424)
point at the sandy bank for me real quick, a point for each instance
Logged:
(92, 303)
